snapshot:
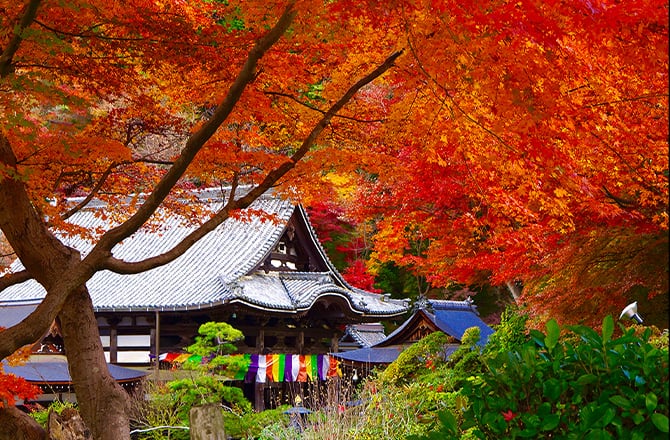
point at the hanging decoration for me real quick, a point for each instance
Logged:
(277, 367)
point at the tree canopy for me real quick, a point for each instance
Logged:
(527, 144)
(492, 142)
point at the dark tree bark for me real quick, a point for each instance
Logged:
(17, 425)
(103, 403)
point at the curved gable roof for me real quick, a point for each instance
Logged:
(218, 269)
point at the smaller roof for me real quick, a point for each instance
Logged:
(56, 373)
(450, 317)
(371, 355)
(364, 335)
(12, 314)
(455, 317)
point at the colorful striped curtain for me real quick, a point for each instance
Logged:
(275, 367)
(290, 368)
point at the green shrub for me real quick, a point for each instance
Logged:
(41, 414)
(419, 358)
(582, 385)
(250, 425)
(206, 389)
(510, 333)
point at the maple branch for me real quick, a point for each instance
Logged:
(6, 66)
(317, 109)
(274, 175)
(196, 141)
(123, 267)
(12, 278)
(622, 100)
(642, 180)
(453, 101)
(94, 191)
(620, 201)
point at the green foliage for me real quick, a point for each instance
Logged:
(580, 385)
(215, 338)
(173, 402)
(416, 359)
(389, 413)
(215, 343)
(396, 280)
(510, 333)
(206, 389)
(41, 414)
(250, 425)
(466, 360)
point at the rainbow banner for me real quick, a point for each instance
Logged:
(291, 368)
(277, 367)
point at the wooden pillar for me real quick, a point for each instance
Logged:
(260, 341)
(301, 342)
(259, 388)
(335, 343)
(259, 396)
(113, 343)
(157, 345)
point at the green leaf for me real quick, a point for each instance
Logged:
(550, 422)
(529, 432)
(608, 328)
(551, 389)
(651, 401)
(586, 379)
(553, 332)
(448, 421)
(660, 421)
(620, 401)
(598, 434)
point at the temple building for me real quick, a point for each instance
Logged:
(264, 272)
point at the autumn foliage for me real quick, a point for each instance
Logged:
(13, 388)
(527, 142)
(513, 141)
(519, 141)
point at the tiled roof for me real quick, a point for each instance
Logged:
(451, 317)
(217, 269)
(454, 317)
(56, 372)
(379, 355)
(371, 355)
(365, 335)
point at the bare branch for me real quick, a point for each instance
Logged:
(316, 109)
(92, 193)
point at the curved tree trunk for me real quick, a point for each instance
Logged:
(103, 403)
(17, 425)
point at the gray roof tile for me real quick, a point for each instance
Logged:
(216, 270)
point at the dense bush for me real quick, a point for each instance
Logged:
(579, 385)
(251, 425)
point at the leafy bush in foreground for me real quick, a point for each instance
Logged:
(582, 385)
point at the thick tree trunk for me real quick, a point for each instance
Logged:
(103, 403)
(17, 425)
